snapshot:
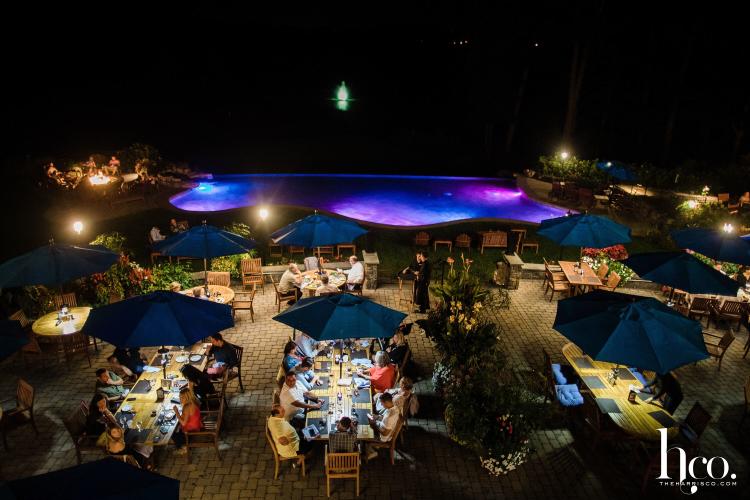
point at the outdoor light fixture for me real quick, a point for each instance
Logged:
(263, 213)
(728, 228)
(78, 226)
(564, 155)
(342, 97)
(609, 163)
(692, 203)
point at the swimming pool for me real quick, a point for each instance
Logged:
(392, 200)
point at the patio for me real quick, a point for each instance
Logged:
(429, 465)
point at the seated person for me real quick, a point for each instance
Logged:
(384, 425)
(135, 360)
(665, 388)
(382, 375)
(356, 275)
(199, 294)
(116, 445)
(175, 287)
(99, 417)
(344, 438)
(325, 288)
(398, 348)
(290, 281)
(119, 367)
(305, 374)
(291, 358)
(307, 347)
(200, 383)
(190, 418)
(156, 235)
(285, 437)
(173, 227)
(113, 168)
(294, 400)
(110, 385)
(400, 397)
(224, 355)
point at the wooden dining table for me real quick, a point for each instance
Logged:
(219, 293)
(354, 403)
(311, 281)
(48, 327)
(579, 280)
(144, 407)
(638, 419)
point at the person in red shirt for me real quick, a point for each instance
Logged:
(382, 375)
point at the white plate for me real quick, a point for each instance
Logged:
(169, 415)
(181, 358)
(195, 358)
(126, 407)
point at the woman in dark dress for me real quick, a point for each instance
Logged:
(200, 383)
(422, 285)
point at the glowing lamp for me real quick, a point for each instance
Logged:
(263, 213)
(564, 155)
(728, 228)
(78, 226)
(692, 204)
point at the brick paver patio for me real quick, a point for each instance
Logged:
(430, 464)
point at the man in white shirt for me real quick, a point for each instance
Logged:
(285, 437)
(385, 424)
(156, 235)
(355, 275)
(293, 397)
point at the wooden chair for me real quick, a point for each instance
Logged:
(422, 239)
(278, 458)
(700, 307)
(214, 400)
(746, 408)
(403, 298)
(75, 424)
(599, 427)
(219, 278)
(76, 344)
(251, 271)
(555, 284)
(524, 243)
(235, 372)
(293, 250)
(694, 425)
(552, 265)
(208, 436)
(391, 443)
(281, 296)
(601, 273)
(341, 466)
(243, 301)
(346, 246)
(494, 239)
(654, 467)
(718, 350)
(729, 310)
(22, 413)
(463, 240)
(612, 282)
(327, 250)
(20, 316)
(154, 254)
(275, 250)
(722, 198)
(67, 299)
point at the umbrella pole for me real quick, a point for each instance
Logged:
(671, 294)
(205, 275)
(341, 363)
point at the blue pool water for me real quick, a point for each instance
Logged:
(383, 199)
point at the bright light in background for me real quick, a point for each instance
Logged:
(263, 213)
(342, 105)
(692, 203)
(609, 163)
(342, 97)
(564, 155)
(728, 228)
(78, 226)
(203, 188)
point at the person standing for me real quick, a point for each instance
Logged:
(422, 284)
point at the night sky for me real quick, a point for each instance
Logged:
(244, 89)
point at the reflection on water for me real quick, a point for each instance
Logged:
(391, 200)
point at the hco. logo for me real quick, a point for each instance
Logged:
(715, 473)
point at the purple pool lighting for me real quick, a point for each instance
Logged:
(383, 199)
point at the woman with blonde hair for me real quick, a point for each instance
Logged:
(398, 348)
(382, 375)
(190, 418)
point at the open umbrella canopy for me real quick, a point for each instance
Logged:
(94, 481)
(158, 318)
(55, 264)
(584, 230)
(12, 337)
(718, 245)
(204, 242)
(630, 330)
(343, 316)
(617, 170)
(317, 230)
(681, 270)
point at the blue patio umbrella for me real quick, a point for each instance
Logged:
(630, 330)
(158, 319)
(681, 270)
(342, 316)
(317, 230)
(617, 170)
(12, 337)
(94, 481)
(584, 230)
(55, 264)
(718, 245)
(204, 242)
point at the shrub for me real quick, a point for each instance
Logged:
(615, 252)
(583, 172)
(112, 240)
(163, 275)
